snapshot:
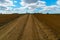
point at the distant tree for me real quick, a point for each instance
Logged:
(47, 13)
(15, 13)
(0, 13)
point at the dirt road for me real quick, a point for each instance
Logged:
(26, 27)
(12, 30)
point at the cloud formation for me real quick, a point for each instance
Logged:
(30, 1)
(5, 4)
(29, 6)
(34, 4)
(52, 8)
(58, 2)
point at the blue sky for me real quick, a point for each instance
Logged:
(31, 6)
(50, 2)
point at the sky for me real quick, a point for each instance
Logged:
(30, 6)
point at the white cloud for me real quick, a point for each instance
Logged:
(6, 5)
(30, 1)
(49, 8)
(19, 10)
(58, 2)
(52, 8)
(41, 4)
(32, 5)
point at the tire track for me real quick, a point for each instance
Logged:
(5, 27)
(27, 34)
(40, 34)
(35, 31)
(6, 33)
(45, 32)
(22, 30)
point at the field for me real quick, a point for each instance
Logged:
(51, 20)
(5, 18)
(30, 27)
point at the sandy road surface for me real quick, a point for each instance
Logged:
(13, 29)
(26, 27)
(35, 30)
(27, 34)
